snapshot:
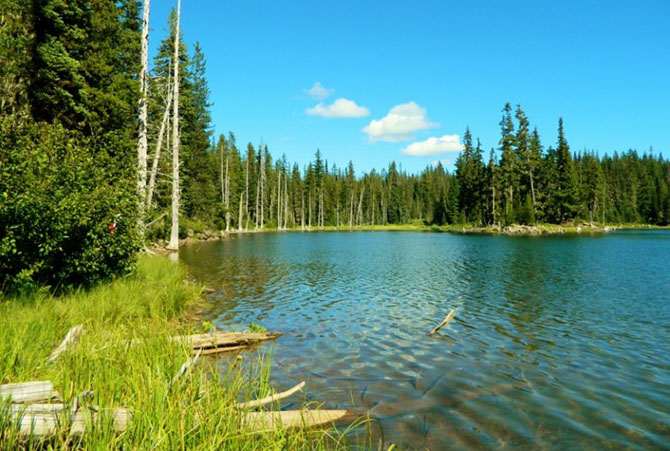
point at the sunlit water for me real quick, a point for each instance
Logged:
(557, 341)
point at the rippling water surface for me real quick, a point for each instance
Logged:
(557, 342)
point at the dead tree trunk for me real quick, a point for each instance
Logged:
(321, 212)
(373, 208)
(246, 195)
(142, 139)
(302, 212)
(359, 218)
(286, 201)
(239, 219)
(262, 183)
(226, 201)
(174, 233)
(351, 208)
(159, 145)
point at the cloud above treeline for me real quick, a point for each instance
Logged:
(319, 92)
(340, 108)
(434, 146)
(400, 124)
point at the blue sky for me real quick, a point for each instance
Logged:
(414, 74)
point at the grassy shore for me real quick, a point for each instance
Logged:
(151, 304)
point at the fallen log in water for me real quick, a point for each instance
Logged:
(224, 341)
(40, 420)
(216, 342)
(268, 421)
(444, 322)
(25, 392)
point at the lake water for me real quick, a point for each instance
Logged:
(558, 342)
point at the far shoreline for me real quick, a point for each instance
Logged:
(460, 229)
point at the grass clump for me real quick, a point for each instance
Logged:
(193, 413)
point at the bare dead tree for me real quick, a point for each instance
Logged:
(159, 144)
(142, 139)
(174, 232)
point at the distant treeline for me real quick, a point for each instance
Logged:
(526, 184)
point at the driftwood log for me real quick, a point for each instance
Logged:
(267, 421)
(444, 322)
(48, 419)
(26, 392)
(70, 341)
(216, 342)
(224, 341)
(269, 399)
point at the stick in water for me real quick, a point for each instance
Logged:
(269, 399)
(446, 320)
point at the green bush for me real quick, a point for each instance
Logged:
(57, 200)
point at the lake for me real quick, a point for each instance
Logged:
(557, 342)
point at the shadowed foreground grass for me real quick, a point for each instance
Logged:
(195, 413)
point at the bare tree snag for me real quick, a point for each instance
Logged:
(174, 232)
(142, 139)
(159, 145)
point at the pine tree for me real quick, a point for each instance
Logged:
(533, 161)
(509, 165)
(198, 165)
(469, 171)
(566, 187)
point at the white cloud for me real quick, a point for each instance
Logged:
(400, 124)
(338, 109)
(319, 92)
(434, 146)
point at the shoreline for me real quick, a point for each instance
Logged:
(461, 229)
(146, 308)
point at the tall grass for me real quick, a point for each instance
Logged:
(195, 413)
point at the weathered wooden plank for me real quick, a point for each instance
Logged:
(267, 421)
(28, 392)
(84, 418)
(269, 399)
(71, 339)
(49, 419)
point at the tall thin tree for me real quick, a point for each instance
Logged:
(174, 232)
(142, 139)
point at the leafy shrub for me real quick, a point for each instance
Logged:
(58, 195)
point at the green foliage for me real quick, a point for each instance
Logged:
(256, 328)
(469, 174)
(56, 204)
